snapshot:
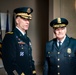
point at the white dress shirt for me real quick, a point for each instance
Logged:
(60, 41)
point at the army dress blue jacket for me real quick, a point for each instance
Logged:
(17, 54)
(60, 61)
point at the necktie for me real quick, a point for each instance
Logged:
(59, 44)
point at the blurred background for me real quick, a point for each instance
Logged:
(39, 31)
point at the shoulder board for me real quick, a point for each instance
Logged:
(9, 33)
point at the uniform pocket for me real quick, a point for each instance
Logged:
(69, 54)
(51, 54)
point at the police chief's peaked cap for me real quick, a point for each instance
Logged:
(59, 22)
(24, 12)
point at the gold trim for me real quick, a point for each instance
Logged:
(9, 33)
(59, 25)
(25, 15)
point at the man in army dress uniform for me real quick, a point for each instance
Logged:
(16, 46)
(60, 54)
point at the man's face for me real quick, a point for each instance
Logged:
(60, 32)
(23, 24)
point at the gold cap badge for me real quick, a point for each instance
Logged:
(28, 10)
(69, 50)
(59, 20)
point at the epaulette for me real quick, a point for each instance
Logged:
(9, 33)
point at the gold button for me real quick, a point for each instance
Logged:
(58, 66)
(58, 59)
(58, 52)
(58, 73)
(22, 47)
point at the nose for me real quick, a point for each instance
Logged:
(27, 21)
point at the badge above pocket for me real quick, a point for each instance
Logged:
(69, 53)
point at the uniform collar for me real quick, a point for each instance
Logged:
(20, 31)
(61, 40)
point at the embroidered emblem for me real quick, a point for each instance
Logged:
(21, 53)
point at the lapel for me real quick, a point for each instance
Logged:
(20, 36)
(55, 44)
(65, 43)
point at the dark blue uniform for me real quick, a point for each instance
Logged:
(60, 61)
(17, 54)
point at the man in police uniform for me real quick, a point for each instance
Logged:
(16, 46)
(60, 55)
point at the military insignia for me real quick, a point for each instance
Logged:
(9, 33)
(21, 42)
(21, 53)
(20, 35)
(15, 72)
(68, 50)
(59, 20)
(16, 36)
(28, 10)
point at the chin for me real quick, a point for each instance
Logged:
(60, 37)
(26, 29)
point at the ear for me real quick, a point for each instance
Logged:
(54, 31)
(17, 20)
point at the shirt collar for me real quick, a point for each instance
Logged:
(20, 31)
(61, 40)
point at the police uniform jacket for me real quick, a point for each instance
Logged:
(17, 53)
(60, 61)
